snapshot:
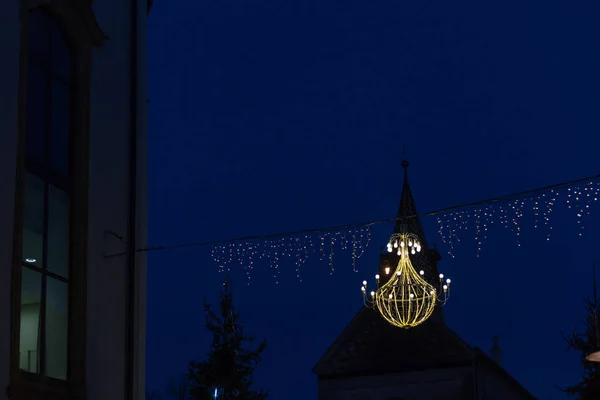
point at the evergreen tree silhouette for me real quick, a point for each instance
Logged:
(586, 342)
(229, 366)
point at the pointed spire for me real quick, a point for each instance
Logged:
(408, 221)
(407, 211)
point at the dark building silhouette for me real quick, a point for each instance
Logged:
(73, 108)
(373, 360)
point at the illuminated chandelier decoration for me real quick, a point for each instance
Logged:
(406, 299)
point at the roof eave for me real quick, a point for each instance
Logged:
(481, 355)
(346, 375)
(328, 353)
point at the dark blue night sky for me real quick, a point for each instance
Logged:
(277, 115)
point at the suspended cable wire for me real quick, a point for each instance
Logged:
(489, 201)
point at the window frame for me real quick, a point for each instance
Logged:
(45, 172)
(74, 19)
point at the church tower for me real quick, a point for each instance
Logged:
(373, 360)
(408, 222)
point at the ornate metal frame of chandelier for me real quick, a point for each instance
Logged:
(406, 299)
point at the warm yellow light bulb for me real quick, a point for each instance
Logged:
(406, 299)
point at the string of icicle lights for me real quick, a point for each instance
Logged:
(297, 248)
(509, 214)
(477, 219)
(454, 222)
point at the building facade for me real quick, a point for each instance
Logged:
(373, 360)
(73, 199)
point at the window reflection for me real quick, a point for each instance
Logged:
(57, 325)
(59, 132)
(31, 298)
(33, 221)
(36, 113)
(58, 232)
(46, 219)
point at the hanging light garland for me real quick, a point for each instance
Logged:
(509, 214)
(406, 300)
(295, 248)
(475, 219)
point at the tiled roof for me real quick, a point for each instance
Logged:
(369, 345)
(482, 357)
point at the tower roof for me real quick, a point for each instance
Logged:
(370, 346)
(408, 220)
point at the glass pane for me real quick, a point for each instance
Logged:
(58, 232)
(31, 290)
(33, 224)
(59, 135)
(60, 53)
(57, 326)
(39, 38)
(36, 112)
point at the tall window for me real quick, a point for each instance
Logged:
(46, 251)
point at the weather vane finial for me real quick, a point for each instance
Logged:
(405, 161)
